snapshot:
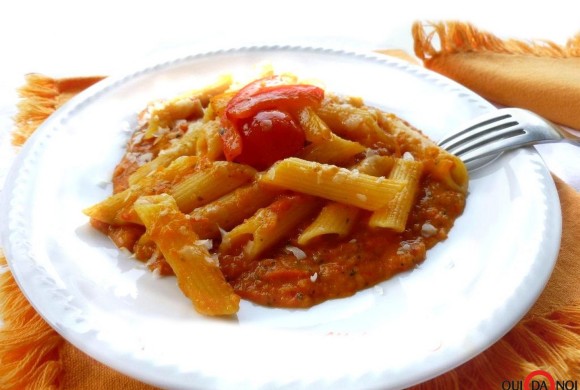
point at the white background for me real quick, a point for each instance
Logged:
(62, 38)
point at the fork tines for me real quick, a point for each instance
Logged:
(496, 128)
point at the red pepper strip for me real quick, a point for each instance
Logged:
(285, 97)
(256, 85)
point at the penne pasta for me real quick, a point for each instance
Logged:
(336, 150)
(357, 124)
(394, 215)
(145, 249)
(315, 130)
(118, 208)
(450, 170)
(198, 273)
(333, 183)
(278, 192)
(337, 218)
(208, 144)
(210, 183)
(440, 164)
(334, 219)
(376, 165)
(188, 184)
(217, 105)
(231, 209)
(185, 146)
(164, 114)
(269, 225)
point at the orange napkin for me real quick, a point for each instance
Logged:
(540, 76)
(548, 338)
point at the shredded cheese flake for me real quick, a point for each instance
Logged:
(153, 258)
(428, 230)
(207, 244)
(361, 197)
(404, 248)
(297, 252)
(156, 273)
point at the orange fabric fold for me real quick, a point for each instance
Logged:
(33, 355)
(540, 76)
(41, 96)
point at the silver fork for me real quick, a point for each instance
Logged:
(504, 129)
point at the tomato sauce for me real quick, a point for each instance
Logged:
(335, 268)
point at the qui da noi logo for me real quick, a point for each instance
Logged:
(540, 380)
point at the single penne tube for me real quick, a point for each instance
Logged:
(334, 219)
(116, 209)
(333, 183)
(210, 183)
(231, 209)
(163, 115)
(269, 225)
(450, 170)
(335, 150)
(408, 137)
(208, 144)
(144, 249)
(187, 145)
(183, 106)
(198, 273)
(395, 214)
(440, 164)
(125, 236)
(315, 130)
(376, 165)
(217, 105)
(356, 123)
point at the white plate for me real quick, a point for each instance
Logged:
(469, 292)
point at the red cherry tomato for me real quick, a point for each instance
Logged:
(256, 121)
(269, 136)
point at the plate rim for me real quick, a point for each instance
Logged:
(111, 82)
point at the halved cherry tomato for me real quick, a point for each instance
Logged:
(257, 128)
(269, 136)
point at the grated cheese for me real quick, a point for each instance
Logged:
(353, 121)
(297, 252)
(207, 243)
(404, 248)
(213, 260)
(361, 197)
(153, 258)
(156, 273)
(428, 230)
